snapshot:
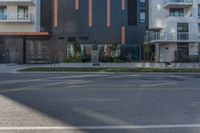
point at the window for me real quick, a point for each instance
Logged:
(182, 27)
(182, 31)
(2, 12)
(199, 27)
(177, 12)
(199, 11)
(71, 39)
(23, 13)
(142, 2)
(142, 17)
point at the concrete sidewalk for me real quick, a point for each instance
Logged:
(12, 68)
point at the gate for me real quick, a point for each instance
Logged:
(36, 51)
(4, 56)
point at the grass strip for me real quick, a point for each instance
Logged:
(64, 69)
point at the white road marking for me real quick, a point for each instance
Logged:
(38, 86)
(19, 81)
(80, 76)
(122, 76)
(103, 127)
(158, 84)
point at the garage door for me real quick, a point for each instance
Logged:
(37, 51)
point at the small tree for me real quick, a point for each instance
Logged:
(77, 49)
(54, 56)
(147, 50)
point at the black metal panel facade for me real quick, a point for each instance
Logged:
(73, 24)
(46, 15)
(132, 12)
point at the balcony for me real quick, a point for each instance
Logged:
(178, 19)
(178, 3)
(163, 37)
(16, 2)
(16, 18)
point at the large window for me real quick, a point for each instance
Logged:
(182, 27)
(2, 12)
(23, 13)
(177, 12)
(199, 11)
(182, 31)
(142, 2)
(142, 17)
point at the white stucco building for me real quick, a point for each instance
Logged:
(174, 28)
(24, 30)
(19, 16)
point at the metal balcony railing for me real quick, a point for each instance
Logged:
(175, 3)
(16, 17)
(17, 2)
(172, 37)
(176, 15)
(179, 1)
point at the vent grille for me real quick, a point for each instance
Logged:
(46, 15)
(132, 12)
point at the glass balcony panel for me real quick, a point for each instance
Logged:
(172, 37)
(178, 3)
(16, 2)
(15, 17)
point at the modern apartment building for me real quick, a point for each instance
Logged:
(174, 29)
(23, 29)
(32, 31)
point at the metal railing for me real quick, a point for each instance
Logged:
(176, 15)
(175, 36)
(179, 1)
(167, 3)
(16, 1)
(15, 17)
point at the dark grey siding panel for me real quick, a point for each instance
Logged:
(137, 36)
(132, 12)
(46, 16)
(117, 15)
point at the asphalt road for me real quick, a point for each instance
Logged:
(99, 103)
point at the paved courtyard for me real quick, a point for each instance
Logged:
(99, 103)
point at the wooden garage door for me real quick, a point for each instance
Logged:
(37, 51)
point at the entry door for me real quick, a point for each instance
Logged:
(4, 56)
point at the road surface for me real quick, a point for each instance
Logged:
(99, 103)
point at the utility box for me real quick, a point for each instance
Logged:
(95, 55)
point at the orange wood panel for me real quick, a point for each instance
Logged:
(123, 33)
(90, 13)
(55, 13)
(77, 4)
(123, 4)
(108, 13)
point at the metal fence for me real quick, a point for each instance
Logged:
(181, 57)
(112, 53)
